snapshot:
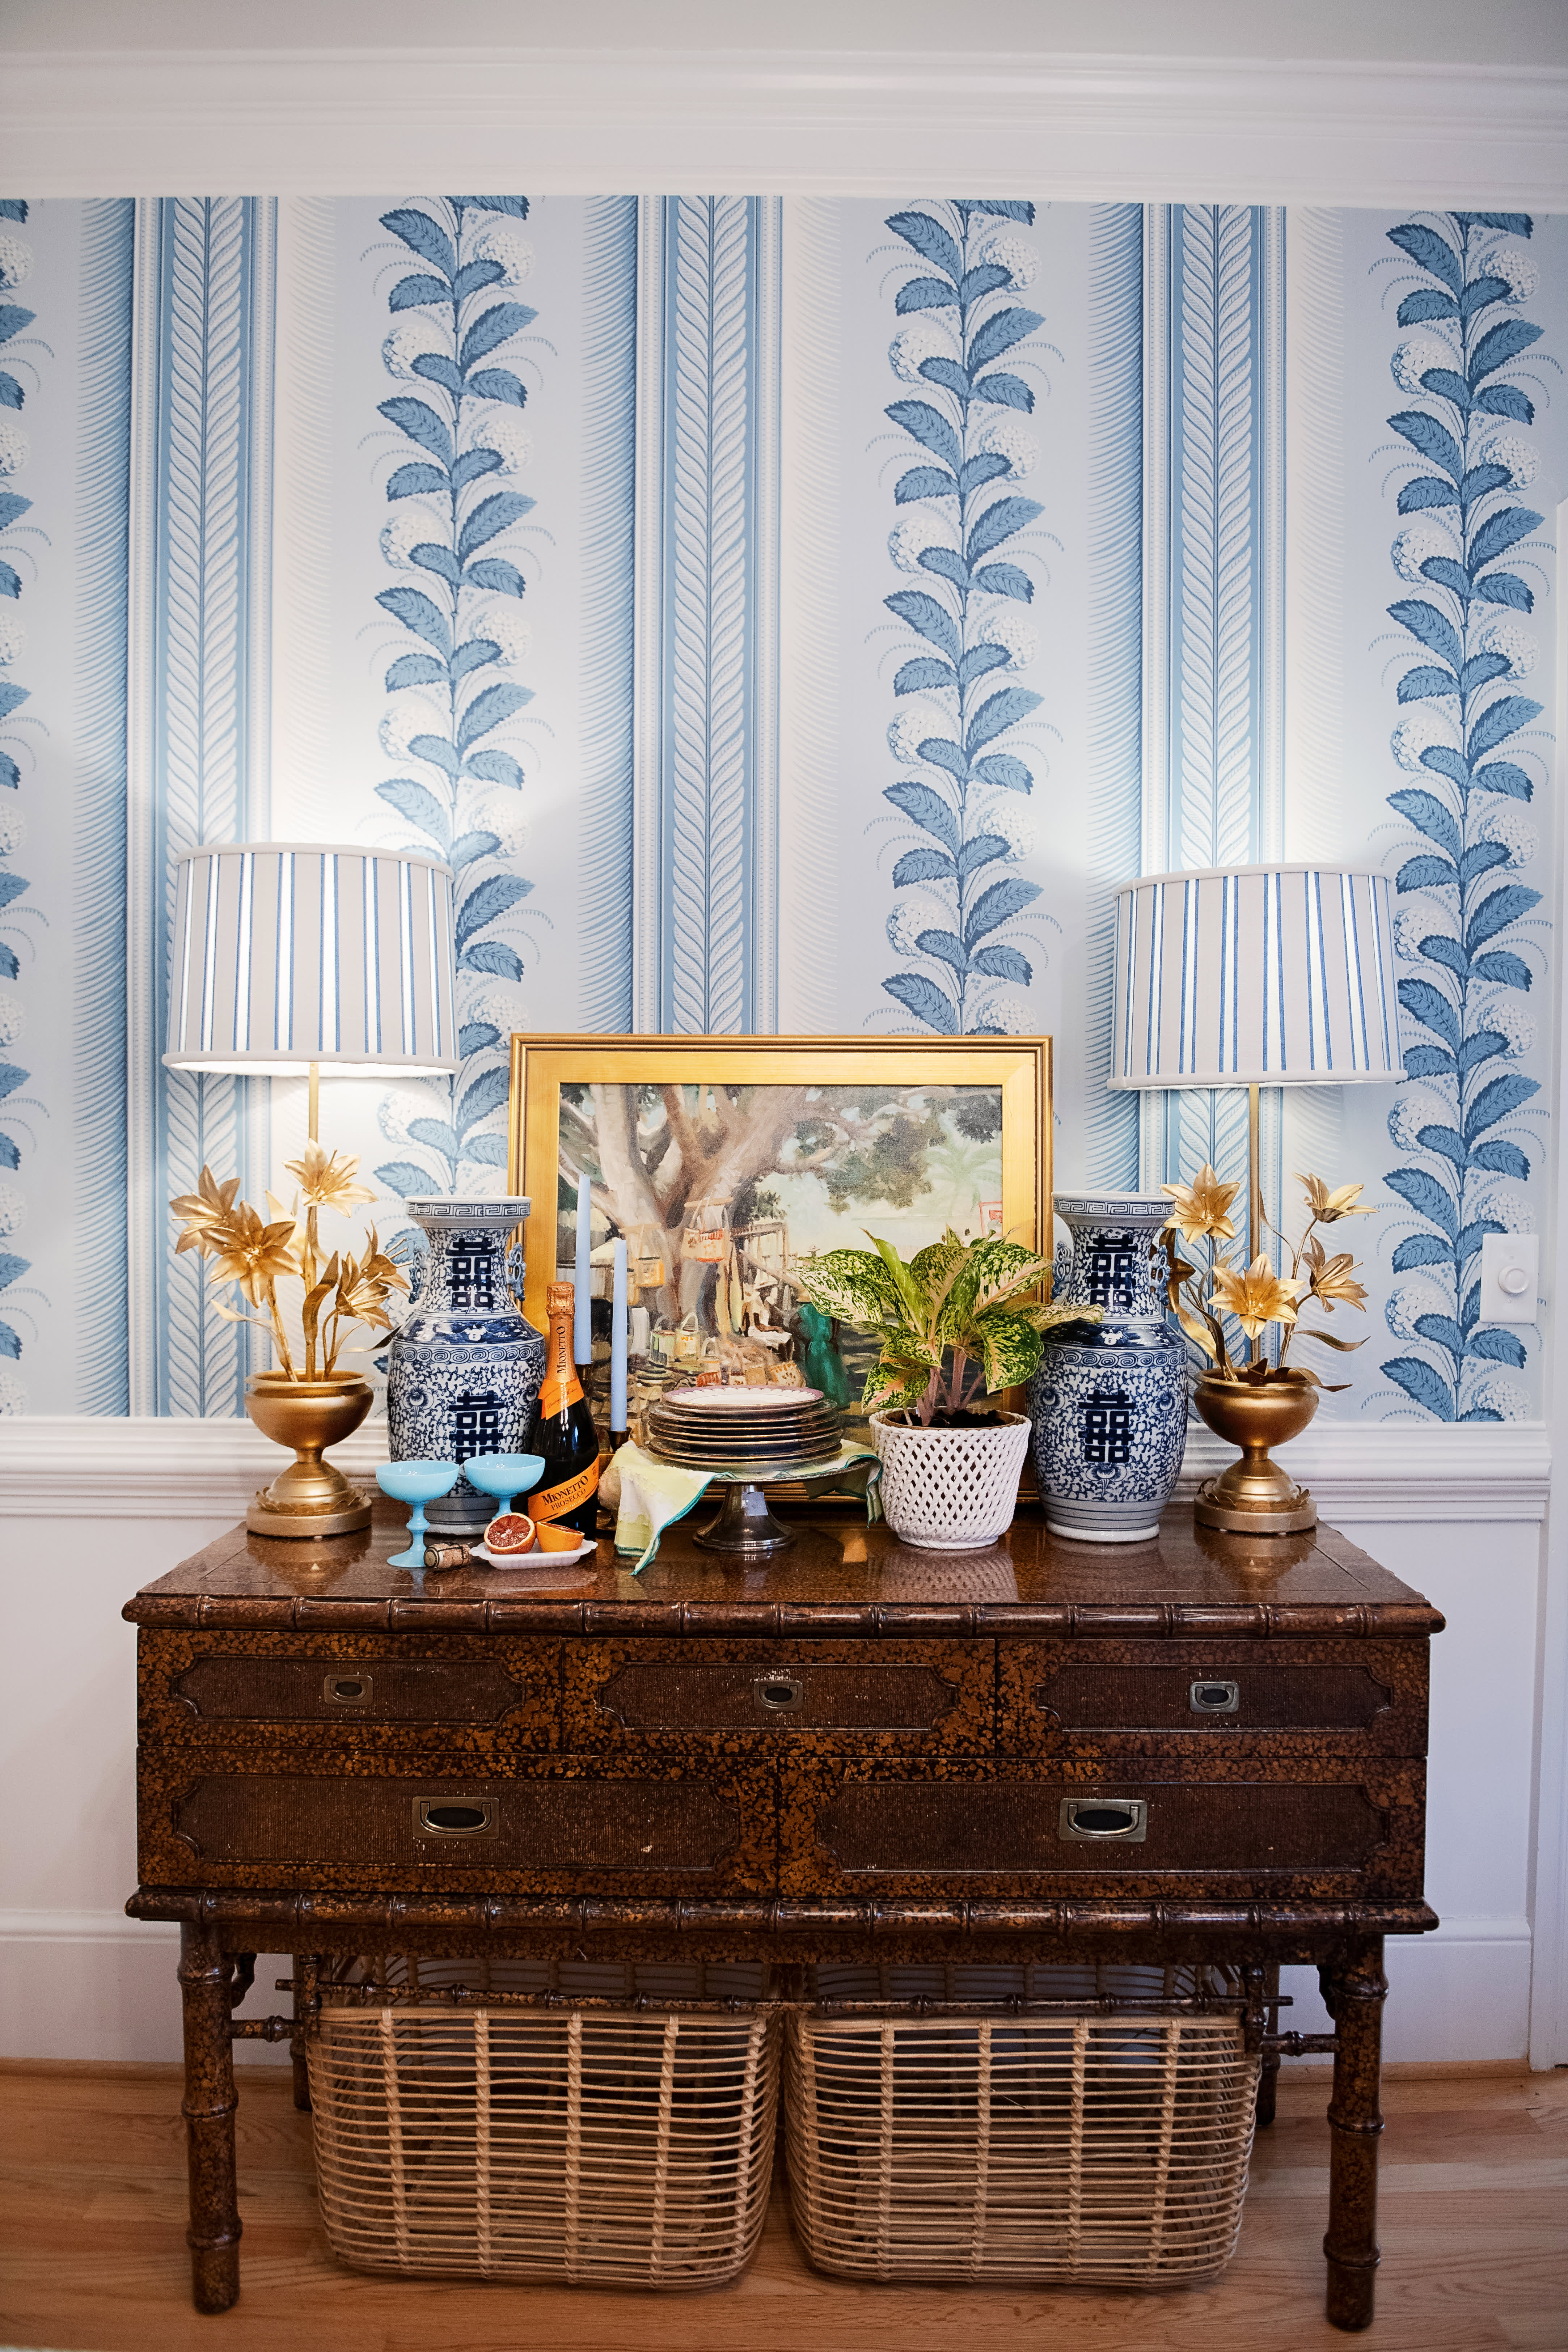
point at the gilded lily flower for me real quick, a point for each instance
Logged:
(1255, 1294)
(203, 1212)
(327, 1182)
(254, 1254)
(1328, 1207)
(1201, 1208)
(1332, 1280)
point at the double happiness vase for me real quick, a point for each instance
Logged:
(463, 1371)
(1108, 1403)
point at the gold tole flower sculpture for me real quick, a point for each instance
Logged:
(255, 1256)
(1256, 1402)
(1252, 1294)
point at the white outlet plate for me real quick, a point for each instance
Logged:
(1510, 1274)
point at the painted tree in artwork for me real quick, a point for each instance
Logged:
(655, 1154)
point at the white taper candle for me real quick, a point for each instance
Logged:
(618, 1341)
(582, 1319)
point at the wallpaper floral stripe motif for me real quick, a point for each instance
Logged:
(1213, 615)
(1114, 768)
(200, 605)
(98, 947)
(455, 684)
(964, 538)
(1467, 561)
(17, 757)
(707, 458)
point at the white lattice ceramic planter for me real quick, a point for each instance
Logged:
(951, 1489)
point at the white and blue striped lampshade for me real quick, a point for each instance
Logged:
(1255, 975)
(286, 953)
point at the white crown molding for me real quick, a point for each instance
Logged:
(574, 121)
(165, 1469)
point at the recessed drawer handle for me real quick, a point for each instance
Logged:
(1212, 1697)
(347, 1690)
(449, 1817)
(779, 1693)
(1089, 1818)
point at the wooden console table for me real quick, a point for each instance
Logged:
(857, 1752)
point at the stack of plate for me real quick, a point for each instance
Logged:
(775, 1431)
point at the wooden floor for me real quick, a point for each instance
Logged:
(92, 2258)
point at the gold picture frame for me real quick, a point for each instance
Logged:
(1018, 1068)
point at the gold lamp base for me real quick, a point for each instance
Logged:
(311, 1498)
(1254, 1495)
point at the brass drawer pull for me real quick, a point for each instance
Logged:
(779, 1693)
(347, 1690)
(1210, 1696)
(1089, 1818)
(449, 1817)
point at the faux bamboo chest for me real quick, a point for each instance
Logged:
(1192, 1748)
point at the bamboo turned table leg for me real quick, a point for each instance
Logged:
(1269, 2078)
(302, 2070)
(208, 2109)
(1353, 1988)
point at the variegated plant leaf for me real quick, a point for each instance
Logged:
(913, 1296)
(1011, 1349)
(934, 1267)
(853, 1285)
(885, 1392)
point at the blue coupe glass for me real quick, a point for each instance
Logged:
(504, 1476)
(418, 1483)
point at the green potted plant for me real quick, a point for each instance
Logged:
(957, 1327)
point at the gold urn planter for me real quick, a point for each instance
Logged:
(1254, 1495)
(311, 1498)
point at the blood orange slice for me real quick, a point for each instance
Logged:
(509, 1533)
(555, 1539)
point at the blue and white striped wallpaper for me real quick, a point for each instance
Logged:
(785, 615)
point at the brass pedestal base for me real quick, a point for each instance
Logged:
(263, 1520)
(311, 1498)
(1281, 1519)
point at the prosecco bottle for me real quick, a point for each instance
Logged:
(563, 1429)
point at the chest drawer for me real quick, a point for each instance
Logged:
(760, 1696)
(1362, 1697)
(1009, 1827)
(546, 1827)
(359, 1691)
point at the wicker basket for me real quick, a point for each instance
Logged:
(457, 2135)
(1093, 2148)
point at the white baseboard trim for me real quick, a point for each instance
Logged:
(96, 1985)
(53, 1467)
(82, 1927)
(1460, 1994)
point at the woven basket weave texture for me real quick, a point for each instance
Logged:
(1111, 2150)
(602, 2145)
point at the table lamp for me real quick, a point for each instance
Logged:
(287, 957)
(1256, 976)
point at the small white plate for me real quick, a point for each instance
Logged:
(533, 1557)
(741, 1400)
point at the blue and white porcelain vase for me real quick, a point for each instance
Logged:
(464, 1369)
(1108, 1403)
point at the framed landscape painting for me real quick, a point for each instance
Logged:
(784, 1146)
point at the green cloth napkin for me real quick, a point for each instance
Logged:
(655, 1494)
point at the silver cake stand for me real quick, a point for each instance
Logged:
(745, 1529)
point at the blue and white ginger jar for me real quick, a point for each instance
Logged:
(464, 1369)
(1108, 1403)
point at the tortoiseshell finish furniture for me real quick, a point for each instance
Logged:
(1187, 1749)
